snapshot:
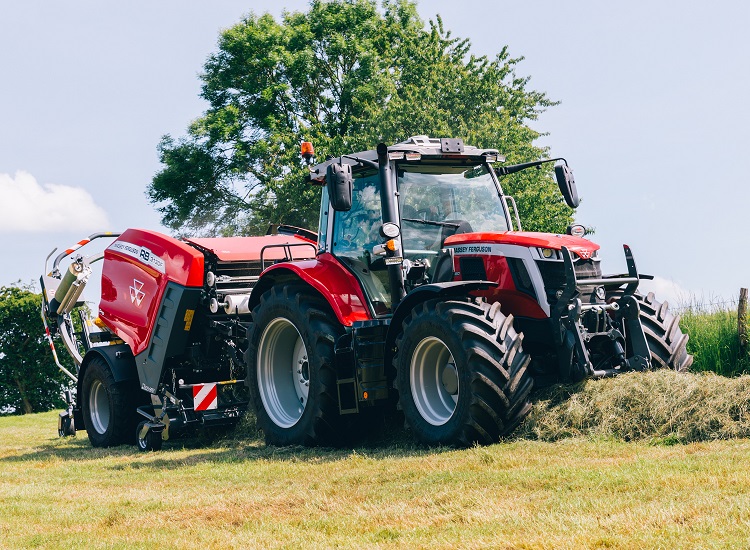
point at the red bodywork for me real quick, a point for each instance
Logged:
(272, 247)
(581, 247)
(140, 263)
(512, 300)
(137, 268)
(338, 286)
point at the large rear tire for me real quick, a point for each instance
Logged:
(109, 407)
(666, 341)
(290, 362)
(461, 373)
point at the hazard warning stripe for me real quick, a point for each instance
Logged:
(78, 245)
(205, 397)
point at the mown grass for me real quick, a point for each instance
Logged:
(582, 492)
(647, 460)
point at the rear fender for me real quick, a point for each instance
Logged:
(328, 277)
(445, 291)
(118, 357)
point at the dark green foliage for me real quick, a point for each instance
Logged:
(344, 75)
(29, 380)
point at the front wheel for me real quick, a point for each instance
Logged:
(290, 367)
(461, 374)
(666, 341)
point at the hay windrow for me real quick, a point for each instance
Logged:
(663, 406)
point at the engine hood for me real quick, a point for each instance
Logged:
(583, 248)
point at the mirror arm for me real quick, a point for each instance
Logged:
(365, 162)
(513, 168)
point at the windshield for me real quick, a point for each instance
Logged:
(459, 199)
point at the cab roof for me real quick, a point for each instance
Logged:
(433, 148)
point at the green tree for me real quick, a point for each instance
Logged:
(29, 379)
(344, 75)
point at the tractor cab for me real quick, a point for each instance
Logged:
(397, 211)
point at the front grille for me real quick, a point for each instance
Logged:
(553, 275)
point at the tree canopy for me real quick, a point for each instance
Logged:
(346, 75)
(29, 379)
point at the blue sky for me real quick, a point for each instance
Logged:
(653, 119)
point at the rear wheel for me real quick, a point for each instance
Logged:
(666, 341)
(109, 407)
(290, 367)
(461, 374)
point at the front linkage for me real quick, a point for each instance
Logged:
(611, 331)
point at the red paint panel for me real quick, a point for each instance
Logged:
(338, 286)
(137, 268)
(581, 247)
(231, 249)
(512, 301)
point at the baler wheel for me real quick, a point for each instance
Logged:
(461, 373)
(150, 442)
(66, 426)
(666, 341)
(291, 367)
(108, 406)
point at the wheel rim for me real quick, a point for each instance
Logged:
(434, 381)
(99, 407)
(283, 372)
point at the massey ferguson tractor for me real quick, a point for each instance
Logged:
(419, 292)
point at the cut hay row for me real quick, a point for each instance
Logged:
(662, 406)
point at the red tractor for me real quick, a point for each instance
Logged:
(419, 292)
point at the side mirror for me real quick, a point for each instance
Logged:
(567, 185)
(339, 182)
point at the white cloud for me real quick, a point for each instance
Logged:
(667, 290)
(28, 207)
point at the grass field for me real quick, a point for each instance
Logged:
(574, 493)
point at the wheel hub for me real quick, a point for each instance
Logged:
(99, 407)
(434, 381)
(283, 372)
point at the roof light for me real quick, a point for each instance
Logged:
(413, 156)
(491, 158)
(307, 150)
(395, 155)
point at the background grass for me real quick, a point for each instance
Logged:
(714, 341)
(582, 492)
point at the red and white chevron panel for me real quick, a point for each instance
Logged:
(205, 397)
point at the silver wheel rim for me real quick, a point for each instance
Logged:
(283, 373)
(99, 407)
(434, 381)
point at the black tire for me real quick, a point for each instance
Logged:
(65, 426)
(666, 341)
(109, 407)
(479, 396)
(290, 362)
(151, 442)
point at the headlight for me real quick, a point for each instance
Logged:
(549, 253)
(389, 230)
